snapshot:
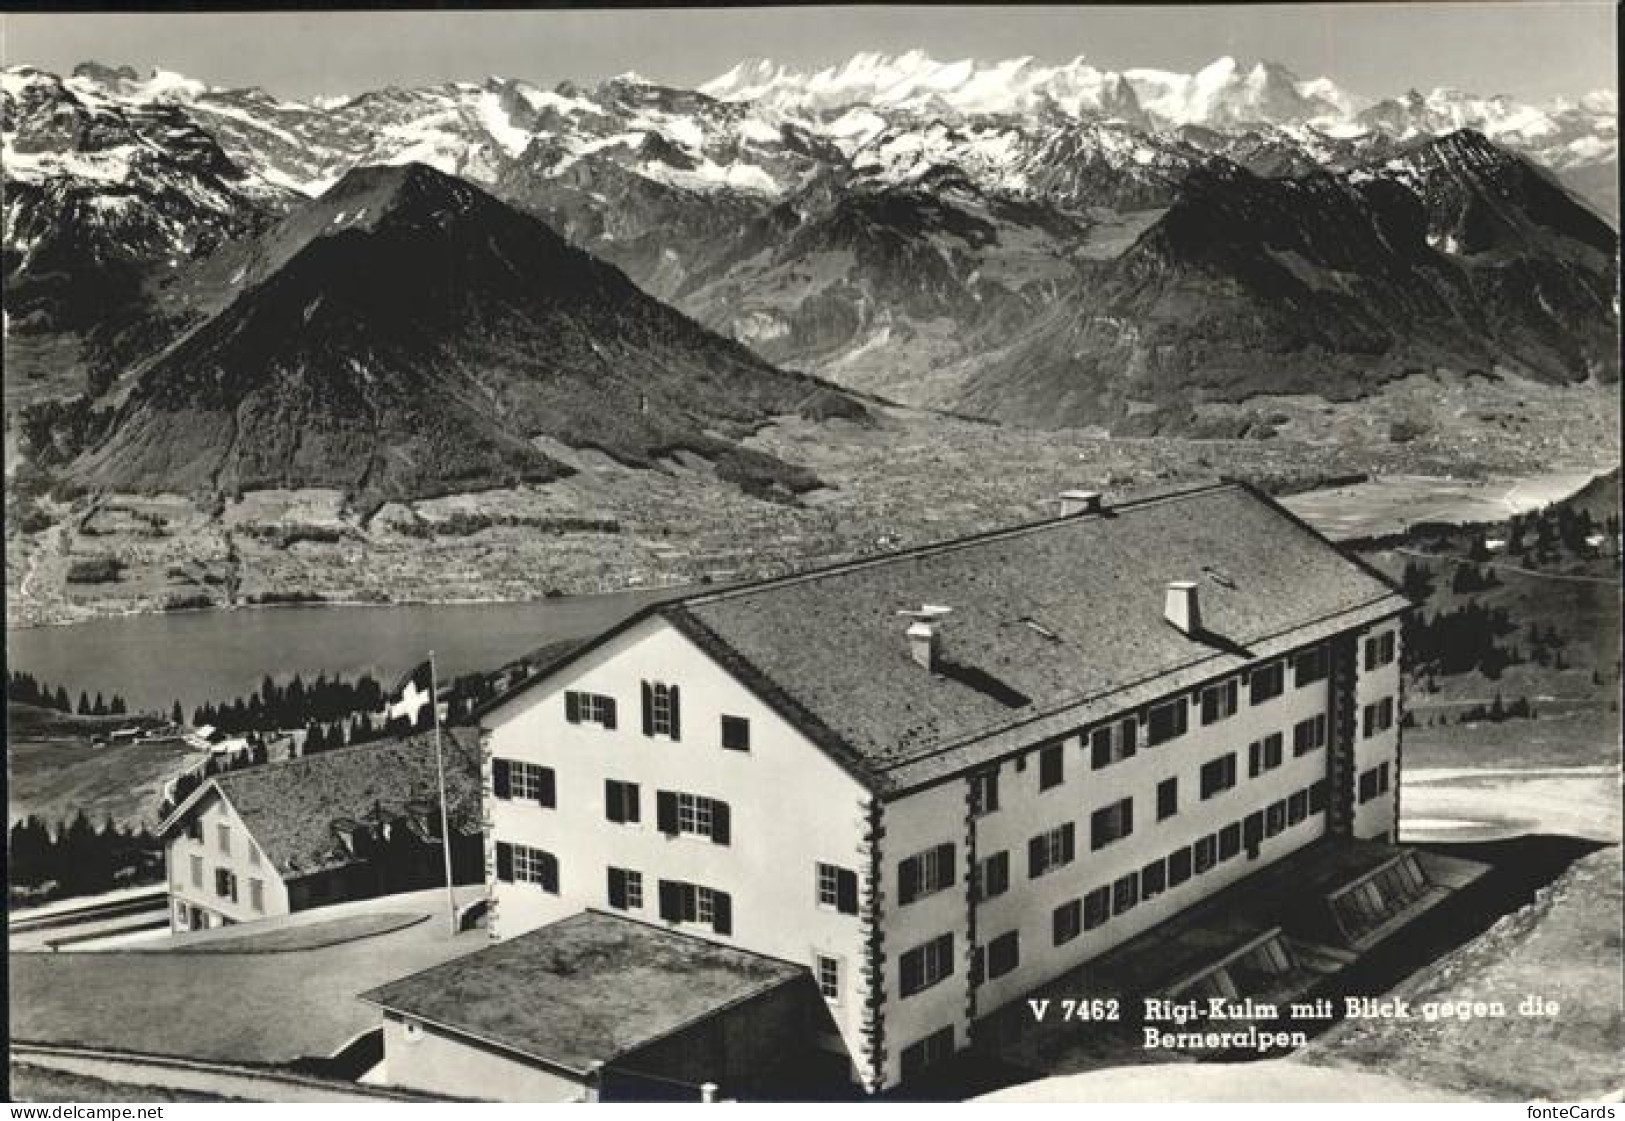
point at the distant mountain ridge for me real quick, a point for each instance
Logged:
(1004, 238)
(408, 335)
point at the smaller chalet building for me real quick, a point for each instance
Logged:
(345, 824)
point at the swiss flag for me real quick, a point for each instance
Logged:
(411, 693)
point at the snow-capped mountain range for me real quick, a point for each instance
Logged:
(891, 213)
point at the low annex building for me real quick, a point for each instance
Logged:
(945, 777)
(596, 1007)
(320, 829)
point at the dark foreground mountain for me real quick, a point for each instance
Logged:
(408, 335)
(1457, 255)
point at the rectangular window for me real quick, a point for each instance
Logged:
(1111, 823)
(1219, 701)
(1252, 831)
(225, 884)
(253, 855)
(1207, 852)
(1167, 721)
(829, 977)
(1317, 796)
(526, 865)
(1051, 766)
(1179, 866)
(1112, 743)
(736, 733)
(691, 903)
(1153, 879)
(1275, 818)
(1266, 682)
(926, 964)
(1051, 850)
(992, 876)
(1373, 783)
(223, 838)
(1310, 666)
(589, 708)
(984, 792)
(921, 1056)
(1264, 755)
(662, 710)
(1167, 798)
(1297, 807)
(1218, 775)
(926, 873)
(1378, 717)
(1309, 735)
(1067, 921)
(625, 889)
(621, 802)
(1230, 840)
(1097, 907)
(1379, 650)
(528, 782)
(678, 813)
(197, 871)
(1125, 893)
(194, 829)
(837, 889)
(1003, 954)
(256, 895)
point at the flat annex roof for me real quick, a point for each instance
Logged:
(586, 989)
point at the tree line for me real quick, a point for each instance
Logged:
(25, 688)
(77, 858)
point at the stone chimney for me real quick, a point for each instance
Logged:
(1180, 606)
(1074, 502)
(924, 634)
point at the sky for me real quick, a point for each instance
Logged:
(1532, 50)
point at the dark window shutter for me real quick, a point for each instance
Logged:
(630, 793)
(1128, 817)
(648, 709)
(572, 706)
(846, 892)
(499, 778)
(721, 824)
(1100, 751)
(666, 811)
(676, 713)
(722, 912)
(505, 862)
(1035, 856)
(607, 707)
(614, 802)
(671, 901)
(547, 788)
(1068, 843)
(945, 859)
(617, 889)
(1130, 731)
(550, 873)
(908, 881)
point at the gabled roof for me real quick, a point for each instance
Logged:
(586, 989)
(296, 810)
(1053, 625)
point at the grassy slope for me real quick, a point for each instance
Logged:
(40, 1084)
(55, 770)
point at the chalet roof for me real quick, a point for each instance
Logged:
(589, 988)
(1053, 625)
(296, 810)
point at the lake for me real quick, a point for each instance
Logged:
(217, 655)
(197, 656)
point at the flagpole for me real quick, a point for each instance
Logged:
(440, 769)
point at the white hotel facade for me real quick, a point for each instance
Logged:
(1121, 712)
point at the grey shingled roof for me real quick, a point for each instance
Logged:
(291, 808)
(1054, 624)
(586, 989)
